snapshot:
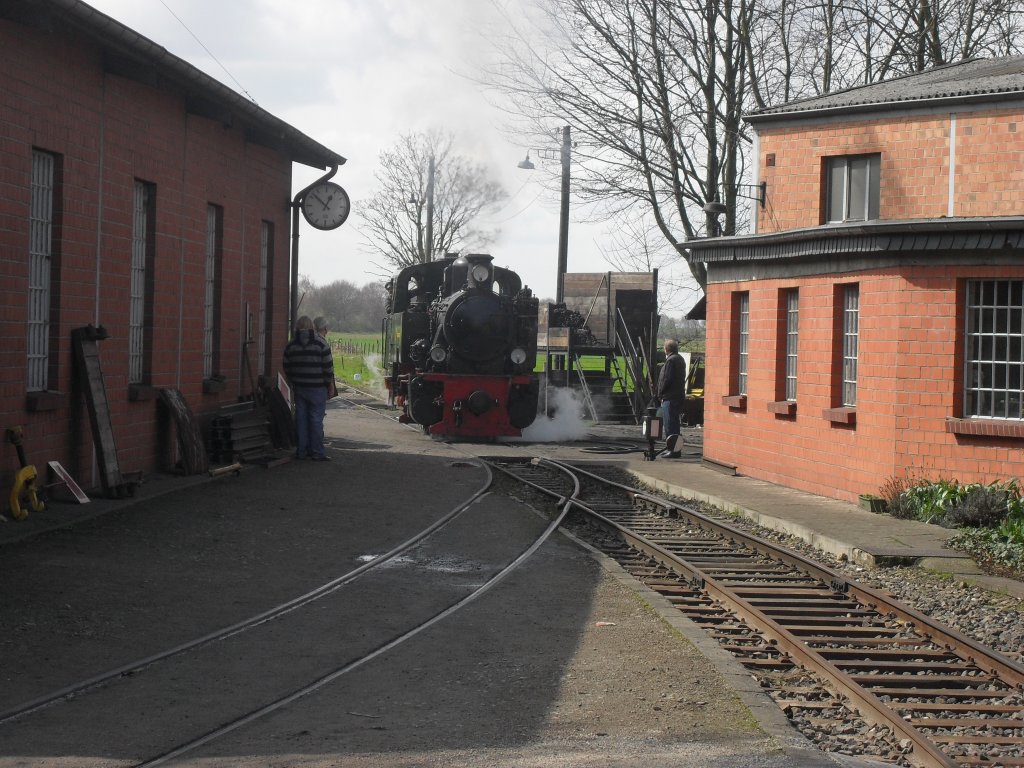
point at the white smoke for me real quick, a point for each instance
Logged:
(567, 420)
(373, 380)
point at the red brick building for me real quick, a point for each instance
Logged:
(872, 326)
(140, 195)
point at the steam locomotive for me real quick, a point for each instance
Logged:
(460, 341)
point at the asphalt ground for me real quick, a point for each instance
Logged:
(567, 662)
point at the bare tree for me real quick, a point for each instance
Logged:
(653, 90)
(426, 202)
(636, 245)
(810, 47)
(347, 307)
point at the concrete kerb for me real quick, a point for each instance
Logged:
(824, 543)
(961, 568)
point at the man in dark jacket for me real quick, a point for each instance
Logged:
(309, 367)
(672, 393)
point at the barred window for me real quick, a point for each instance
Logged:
(851, 323)
(792, 318)
(994, 358)
(40, 253)
(211, 295)
(743, 320)
(266, 252)
(140, 291)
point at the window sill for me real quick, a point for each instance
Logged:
(986, 427)
(140, 392)
(844, 416)
(735, 402)
(783, 408)
(214, 385)
(38, 402)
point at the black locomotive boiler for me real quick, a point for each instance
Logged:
(460, 342)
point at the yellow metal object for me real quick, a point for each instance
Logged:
(25, 485)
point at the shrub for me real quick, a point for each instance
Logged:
(903, 506)
(935, 500)
(983, 506)
(892, 488)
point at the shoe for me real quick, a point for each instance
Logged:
(667, 454)
(321, 458)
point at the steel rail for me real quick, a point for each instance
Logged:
(383, 648)
(244, 625)
(925, 752)
(991, 661)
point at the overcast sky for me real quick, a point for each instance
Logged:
(356, 74)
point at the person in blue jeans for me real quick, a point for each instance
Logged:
(672, 394)
(309, 368)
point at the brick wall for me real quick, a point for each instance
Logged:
(108, 132)
(910, 369)
(914, 174)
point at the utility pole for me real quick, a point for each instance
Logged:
(563, 224)
(430, 209)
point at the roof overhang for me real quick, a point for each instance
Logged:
(882, 238)
(128, 54)
(868, 109)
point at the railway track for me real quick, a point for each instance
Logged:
(276, 612)
(822, 645)
(154, 685)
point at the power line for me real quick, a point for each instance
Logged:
(203, 46)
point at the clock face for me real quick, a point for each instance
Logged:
(326, 206)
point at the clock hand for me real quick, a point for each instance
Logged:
(320, 200)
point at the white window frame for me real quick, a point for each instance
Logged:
(851, 343)
(743, 347)
(852, 188)
(40, 258)
(792, 340)
(994, 349)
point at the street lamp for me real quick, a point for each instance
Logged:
(563, 222)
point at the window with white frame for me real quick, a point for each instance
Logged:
(792, 337)
(994, 355)
(140, 287)
(211, 294)
(851, 329)
(743, 346)
(852, 191)
(266, 251)
(40, 255)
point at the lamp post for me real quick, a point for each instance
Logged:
(563, 219)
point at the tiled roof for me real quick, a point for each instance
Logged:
(974, 80)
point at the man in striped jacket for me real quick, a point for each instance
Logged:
(309, 366)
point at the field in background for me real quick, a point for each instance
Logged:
(354, 356)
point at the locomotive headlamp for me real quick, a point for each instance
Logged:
(481, 273)
(438, 353)
(518, 355)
